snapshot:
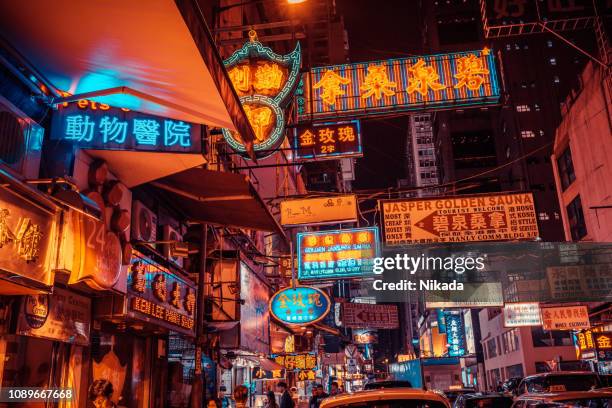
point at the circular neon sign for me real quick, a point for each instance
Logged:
(300, 305)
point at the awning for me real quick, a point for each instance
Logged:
(220, 198)
(156, 57)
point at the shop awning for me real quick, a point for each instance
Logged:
(220, 198)
(156, 57)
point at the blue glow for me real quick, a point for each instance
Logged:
(454, 334)
(299, 305)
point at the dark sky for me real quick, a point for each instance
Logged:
(381, 29)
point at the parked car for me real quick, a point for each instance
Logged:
(559, 381)
(452, 394)
(580, 399)
(376, 385)
(483, 400)
(388, 398)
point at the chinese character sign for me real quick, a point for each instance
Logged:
(455, 335)
(297, 361)
(320, 210)
(565, 318)
(300, 305)
(258, 373)
(380, 87)
(603, 343)
(522, 314)
(337, 254)
(328, 140)
(116, 129)
(459, 219)
(264, 81)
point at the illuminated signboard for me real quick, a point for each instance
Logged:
(258, 373)
(297, 361)
(522, 314)
(300, 305)
(364, 315)
(455, 335)
(565, 318)
(365, 337)
(328, 141)
(118, 129)
(380, 87)
(158, 295)
(490, 217)
(319, 210)
(337, 254)
(603, 344)
(265, 82)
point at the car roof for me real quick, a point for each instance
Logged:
(564, 396)
(487, 395)
(560, 373)
(382, 394)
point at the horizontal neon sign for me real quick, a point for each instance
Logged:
(337, 254)
(381, 87)
(328, 141)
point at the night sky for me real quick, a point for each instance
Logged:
(381, 32)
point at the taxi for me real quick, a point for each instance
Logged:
(388, 398)
(571, 399)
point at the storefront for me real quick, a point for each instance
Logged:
(144, 343)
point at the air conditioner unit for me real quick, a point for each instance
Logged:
(172, 234)
(21, 141)
(144, 223)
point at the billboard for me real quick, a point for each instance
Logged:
(486, 217)
(565, 318)
(455, 334)
(337, 254)
(369, 316)
(320, 210)
(300, 305)
(328, 141)
(522, 314)
(396, 85)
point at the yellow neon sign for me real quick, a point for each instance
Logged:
(377, 83)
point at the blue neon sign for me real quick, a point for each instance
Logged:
(455, 334)
(300, 305)
(116, 129)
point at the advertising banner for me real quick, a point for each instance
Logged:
(455, 334)
(369, 316)
(337, 254)
(565, 318)
(320, 210)
(491, 217)
(522, 314)
(62, 316)
(603, 343)
(328, 141)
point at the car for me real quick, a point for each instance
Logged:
(559, 381)
(376, 385)
(606, 380)
(578, 399)
(388, 398)
(483, 400)
(453, 393)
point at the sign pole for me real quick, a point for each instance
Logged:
(292, 264)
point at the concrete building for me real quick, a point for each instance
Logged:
(582, 159)
(519, 351)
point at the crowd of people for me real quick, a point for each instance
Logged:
(240, 397)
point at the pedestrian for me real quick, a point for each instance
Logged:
(285, 400)
(335, 390)
(241, 395)
(100, 392)
(318, 395)
(271, 400)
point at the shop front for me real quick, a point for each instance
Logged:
(144, 342)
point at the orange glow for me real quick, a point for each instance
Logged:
(331, 83)
(422, 78)
(268, 77)
(260, 119)
(470, 72)
(377, 83)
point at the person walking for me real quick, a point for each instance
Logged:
(241, 395)
(271, 400)
(286, 401)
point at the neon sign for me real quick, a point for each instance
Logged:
(455, 335)
(299, 305)
(337, 254)
(111, 128)
(328, 140)
(380, 87)
(264, 81)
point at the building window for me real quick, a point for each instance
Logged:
(543, 216)
(492, 348)
(575, 217)
(553, 338)
(549, 43)
(553, 61)
(541, 132)
(527, 134)
(523, 108)
(556, 79)
(565, 165)
(515, 371)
